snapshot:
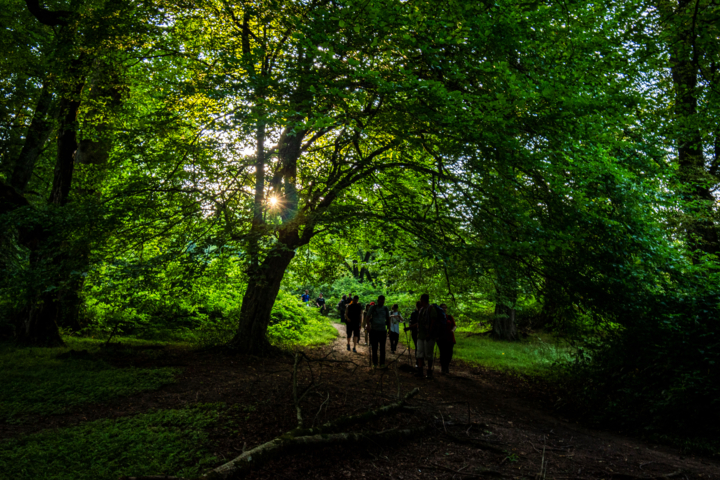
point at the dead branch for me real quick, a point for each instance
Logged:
(269, 450)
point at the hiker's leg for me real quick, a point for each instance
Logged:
(374, 343)
(382, 341)
(442, 346)
(356, 336)
(429, 354)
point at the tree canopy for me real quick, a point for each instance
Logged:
(157, 157)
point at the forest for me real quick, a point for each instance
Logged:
(175, 174)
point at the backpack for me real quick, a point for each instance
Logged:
(438, 322)
(378, 316)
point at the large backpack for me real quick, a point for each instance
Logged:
(378, 316)
(438, 322)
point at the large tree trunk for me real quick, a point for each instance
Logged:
(697, 182)
(263, 287)
(504, 323)
(35, 139)
(40, 327)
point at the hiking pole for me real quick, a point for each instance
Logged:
(407, 343)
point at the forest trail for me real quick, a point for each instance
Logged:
(516, 418)
(481, 422)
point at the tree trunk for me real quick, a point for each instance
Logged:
(506, 293)
(40, 327)
(504, 323)
(263, 287)
(37, 134)
(697, 181)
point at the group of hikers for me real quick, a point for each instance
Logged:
(429, 325)
(319, 302)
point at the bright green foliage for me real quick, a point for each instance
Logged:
(534, 355)
(295, 324)
(35, 381)
(166, 442)
(292, 324)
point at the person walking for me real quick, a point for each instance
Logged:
(378, 323)
(320, 303)
(353, 318)
(413, 327)
(367, 332)
(446, 343)
(394, 329)
(427, 318)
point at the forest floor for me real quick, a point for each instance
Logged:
(481, 422)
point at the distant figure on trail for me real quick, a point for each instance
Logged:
(394, 330)
(378, 323)
(353, 318)
(413, 327)
(320, 303)
(446, 343)
(306, 296)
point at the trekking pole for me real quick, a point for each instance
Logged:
(407, 342)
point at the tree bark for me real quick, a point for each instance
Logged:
(697, 181)
(504, 323)
(40, 326)
(263, 287)
(35, 138)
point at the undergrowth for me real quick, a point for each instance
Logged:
(291, 323)
(55, 380)
(165, 442)
(532, 355)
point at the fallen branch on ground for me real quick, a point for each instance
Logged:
(302, 436)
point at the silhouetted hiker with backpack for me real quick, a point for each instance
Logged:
(431, 326)
(353, 317)
(446, 343)
(378, 323)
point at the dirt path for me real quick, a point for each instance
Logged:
(482, 422)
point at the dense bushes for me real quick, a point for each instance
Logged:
(657, 371)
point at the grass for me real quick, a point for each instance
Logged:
(533, 355)
(36, 382)
(165, 442)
